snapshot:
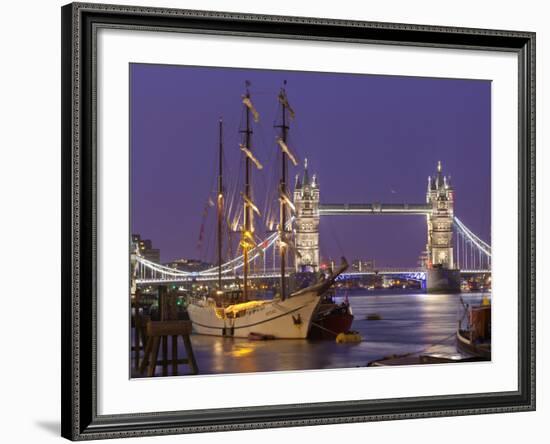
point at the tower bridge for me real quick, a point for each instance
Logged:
(442, 274)
(450, 245)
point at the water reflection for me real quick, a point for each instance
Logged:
(408, 322)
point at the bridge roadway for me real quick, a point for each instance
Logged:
(420, 272)
(373, 208)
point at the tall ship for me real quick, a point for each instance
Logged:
(237, 313)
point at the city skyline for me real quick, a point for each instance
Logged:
(368, 138)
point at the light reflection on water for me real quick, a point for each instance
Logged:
(410, 322)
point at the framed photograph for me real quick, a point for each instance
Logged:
(280, 221)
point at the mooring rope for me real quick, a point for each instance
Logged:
(323, 328)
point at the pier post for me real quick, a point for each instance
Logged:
(137, 329)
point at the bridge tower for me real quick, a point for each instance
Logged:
(442, 275)
(306, 225)
(440, 196)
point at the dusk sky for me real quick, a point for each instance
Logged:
(368, 138)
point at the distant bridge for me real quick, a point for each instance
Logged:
(408, 273)
(470, 245)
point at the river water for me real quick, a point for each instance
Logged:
(410, 322)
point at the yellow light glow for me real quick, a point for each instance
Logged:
(236, 308)
(243, 351)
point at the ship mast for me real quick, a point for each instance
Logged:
(247, 237)
(220, 204)
(283, 194)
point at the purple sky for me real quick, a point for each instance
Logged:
(369, 139)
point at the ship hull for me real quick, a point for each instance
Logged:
(466, 345)
(330, 325)
(288, 319)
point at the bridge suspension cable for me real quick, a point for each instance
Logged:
(471, 251)
(147, 268)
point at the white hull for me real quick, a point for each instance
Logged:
(288, 319)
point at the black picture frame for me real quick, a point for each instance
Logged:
(79, 171)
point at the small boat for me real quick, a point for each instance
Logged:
(475, 339)
(287, 315)
(331, 319)
(349, 337)
(415, 359)
(373, 317)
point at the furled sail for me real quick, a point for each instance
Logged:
(284, 197)
(251, 156)
(286, 150)
(248, 103)
(284, 101)
(251, 204)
